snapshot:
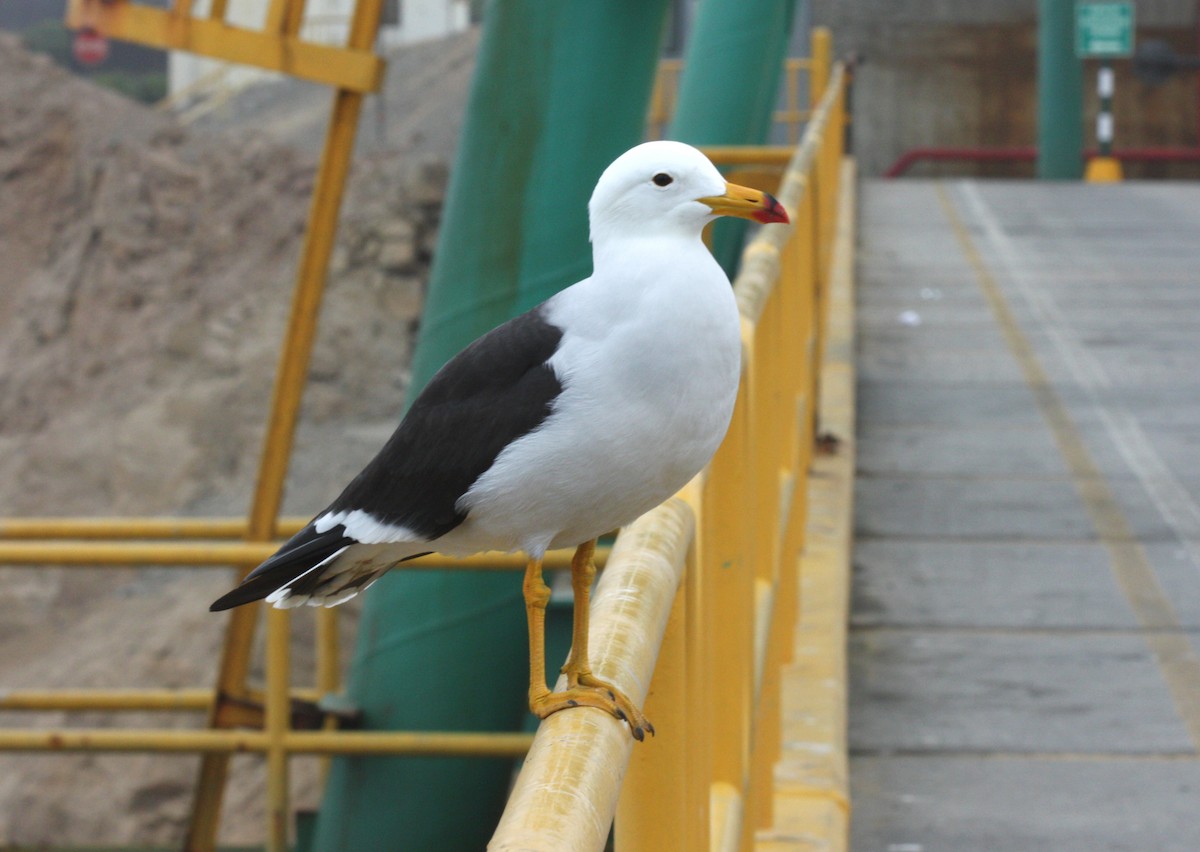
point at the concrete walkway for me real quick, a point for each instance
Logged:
(1026, 615)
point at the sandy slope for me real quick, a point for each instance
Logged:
(145, 273)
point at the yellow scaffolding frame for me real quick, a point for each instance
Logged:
(747, 509)
(791, 116)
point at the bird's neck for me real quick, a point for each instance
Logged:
(625, 250)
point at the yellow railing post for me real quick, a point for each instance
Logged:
(653, 816)
(796, 306)
(822, 61)
(702, 682)
(728, 576)
(278, 713)
(566, 794)
(812, 786)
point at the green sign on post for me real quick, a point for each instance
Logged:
(1103, 30)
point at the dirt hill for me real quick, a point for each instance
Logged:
(144, 290)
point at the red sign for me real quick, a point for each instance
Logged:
(89, 47)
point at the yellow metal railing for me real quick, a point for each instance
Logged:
(715, 574)
(667, 590)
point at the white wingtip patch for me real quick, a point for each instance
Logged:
(333, 600)
(284, 599)
(364, 528)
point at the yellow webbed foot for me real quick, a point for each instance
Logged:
(586, 690)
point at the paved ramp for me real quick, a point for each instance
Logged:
(1026, 619)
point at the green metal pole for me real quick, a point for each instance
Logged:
(610, 50)
(727, 95)
(1060, 93)
(560, 88)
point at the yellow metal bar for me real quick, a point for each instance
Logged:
(109, 528)
(762, 614)
(141, 740)
(124, 699)
(409, 743)
(294, 17)
(752, 155)
(760, 268)
(278, 717)
(231, 680)
(92, 553)
(108, 699)
(653, 816)
(726, 811)
(702, 685)
(796, 348)
(225, 553)
(217, 10)
(566, 794)
(727, 567)
(328, 664)
(767, 738)
(277, 14)
(767, 445)
(289, 384)
(306, 305)
(353, 69)
(328, 651)
(812, 790)
(822, 61)
(443, 743)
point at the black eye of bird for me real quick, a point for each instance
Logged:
(662, 179)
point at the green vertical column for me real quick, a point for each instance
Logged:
(727, 95)
(560, 88)
(1060, 93)
(604, 60)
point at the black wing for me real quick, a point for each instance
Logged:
(493, 392)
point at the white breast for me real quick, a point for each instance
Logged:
(649, 361)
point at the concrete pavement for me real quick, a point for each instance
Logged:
(1026, 615)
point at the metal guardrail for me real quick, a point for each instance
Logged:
(667, 592)
(714, 573)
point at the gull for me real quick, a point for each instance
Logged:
(562, 424)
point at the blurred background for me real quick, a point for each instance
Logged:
(152, 210)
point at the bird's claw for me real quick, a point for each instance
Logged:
(586, 690)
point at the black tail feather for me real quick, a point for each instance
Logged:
(300, 553)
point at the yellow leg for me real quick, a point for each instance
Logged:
(583, 572)
(577, 668)
(537, 595)
(583, 688)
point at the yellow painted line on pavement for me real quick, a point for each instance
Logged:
(1163, 632)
